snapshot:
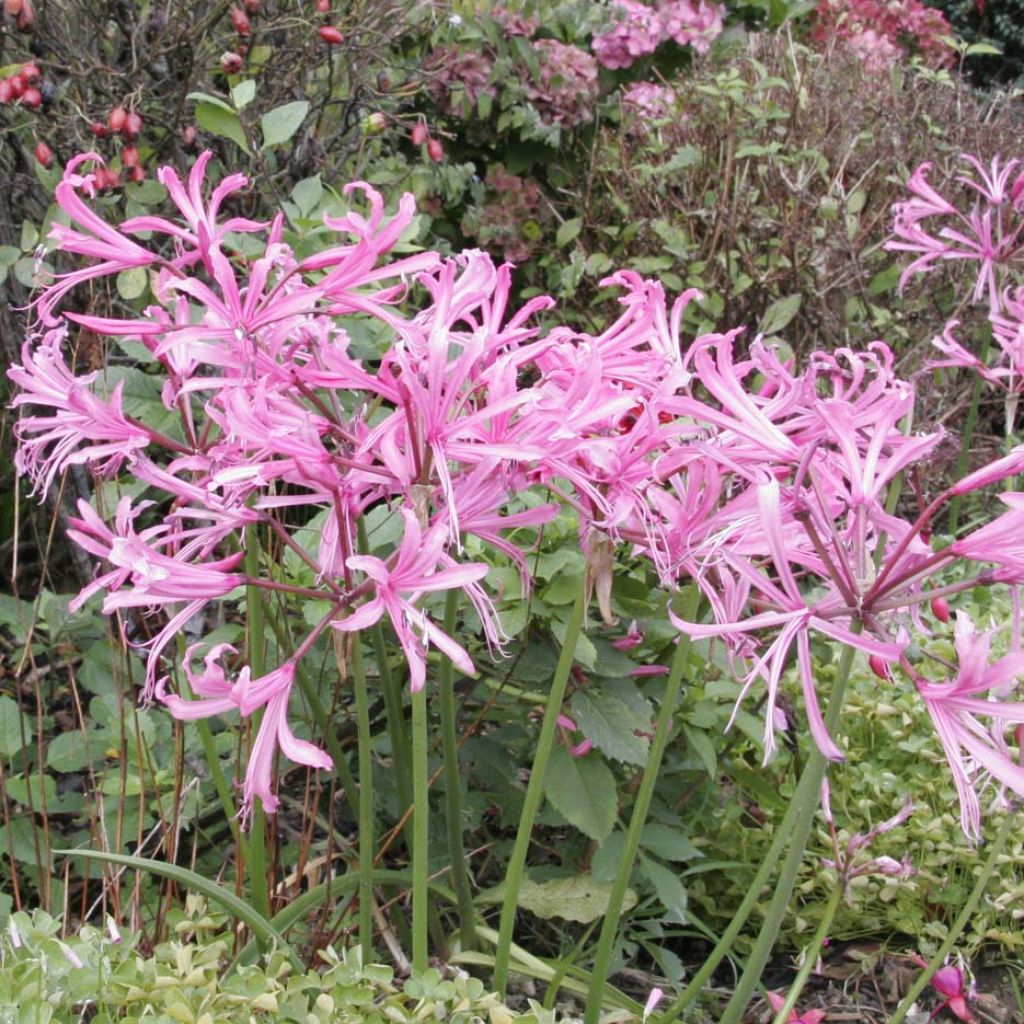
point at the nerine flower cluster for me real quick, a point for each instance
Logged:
(763, 483)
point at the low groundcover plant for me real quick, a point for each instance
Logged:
(408, 415)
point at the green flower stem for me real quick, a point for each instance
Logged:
(610, 925)
(420, 831)
(805, 799)
(391, 691)
(966, 913)
(256, 859)
(972, 419)
(535, 794)
(453, 793)
(811, 953)
(366, 824)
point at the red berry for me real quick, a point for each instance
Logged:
(12, 7)
(419, 133)
(6, 93)
(99, 129)
(26, 19)
(879, 666)
(330, 35)
(940, 609)
(138, 174)
(435, 150)
(113, 179)
(323, 6)
(116, 119)
(252, 6)
(129, 156)
(32, 97)
(18, 85)
(132, 125)
(230, 63)
(30, 73)
(240, 20)
(44, 154)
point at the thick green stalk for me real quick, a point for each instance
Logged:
(452, 790)
(806, 799)
(366, 824)
(420, 831)
(610, 925)
(966, 913)
(811, 953)
(256, 859)
(535, 794)
(972, 419)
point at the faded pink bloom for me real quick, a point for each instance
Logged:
(776, 1000)
(569, 726)
(695, 23)
(635, 32)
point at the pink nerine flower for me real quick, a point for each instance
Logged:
(957, 708)
(218, 696)
(414, 572)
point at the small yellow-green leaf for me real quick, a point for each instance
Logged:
(281, 123)
(132, 283)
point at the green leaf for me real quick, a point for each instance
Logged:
(67, 752)
(222, 122)
(29, 236)
(13, 726)
(779, 314)
(583, 791)
(307, 193)
(669, 888)
(568, 231)
(243, 93)
(132, 283)
(281, 123)
(235, 906)
(215, 101)
(668, 843)
(611, 725)
(579, 898)
(9, 255)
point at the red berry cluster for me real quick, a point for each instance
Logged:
(22, 87)
(127, 124)
(420, 134)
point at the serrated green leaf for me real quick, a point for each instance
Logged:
(779, 314)
(583, 791)
(132, 283)
(223, 122)
(611, 726)
(568, 231)
(281, 123)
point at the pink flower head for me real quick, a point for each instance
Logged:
(695, 23)
(80, 428)
(218, 696)
(957, 708)
(111, 250)
(636, 31)
(396, 589)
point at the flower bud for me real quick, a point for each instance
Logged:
(230, 63)
(880, 667)
(44, 154)
(435, 150)
(419, 133)
(940, 609)
(240, 20)
(330, 35)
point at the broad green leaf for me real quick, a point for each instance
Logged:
(579, 898)
(281, 123)
(225, 123)
(669, 888)
(307, 193)
(779, 314)
(611, 725)
(9, 255)
(668, 843)
(214, 101)
(71, 752)
(13, 726)
(568, 231)
(132, 283)
(583, 791)
(243, 93)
